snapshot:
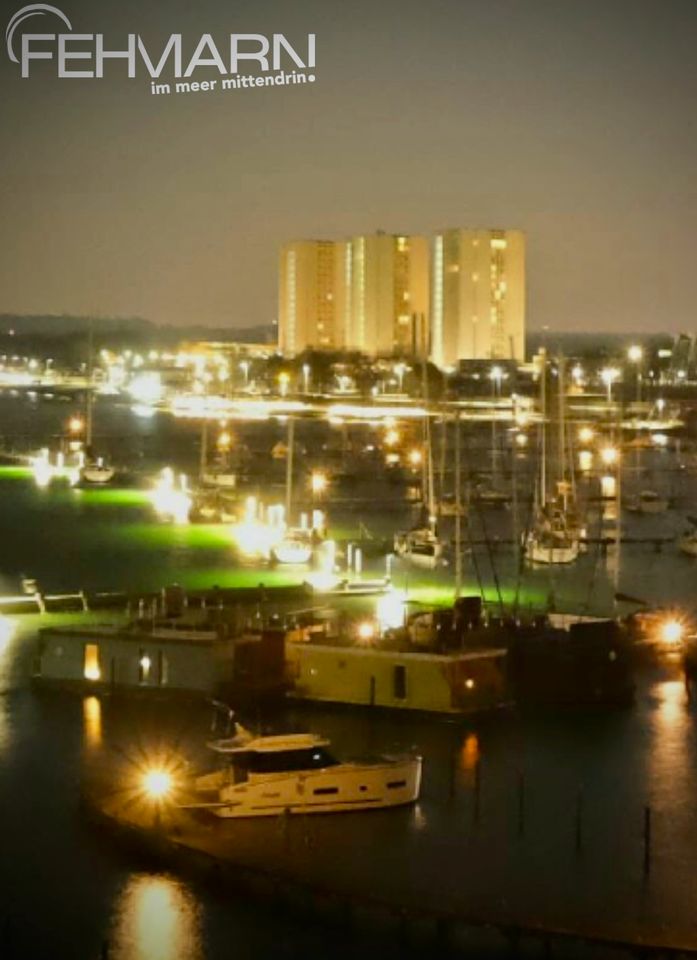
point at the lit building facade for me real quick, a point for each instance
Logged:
(387, 304)
(312, 296)
(477, 296)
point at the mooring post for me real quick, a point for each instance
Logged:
(647, 840)
(521, 803)
(477, 790)
(579, 822)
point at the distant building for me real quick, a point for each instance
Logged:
(387, 294)
(312, 292)
(387, 303)
(477, 296)
(369, 293)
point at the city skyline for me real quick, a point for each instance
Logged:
(573, 124)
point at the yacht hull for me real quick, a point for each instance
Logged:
(339, 789)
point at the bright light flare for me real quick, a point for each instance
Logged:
(609, 455)
(366, 631)
(672, 632)
(318, 482)
(157, 784)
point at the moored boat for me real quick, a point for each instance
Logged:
(296, 773)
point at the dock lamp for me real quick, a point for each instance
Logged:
(157, 784)
(75, 425)
(672, 632)
(318, 482)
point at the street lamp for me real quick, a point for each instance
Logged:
(76, 425)
(244, 367)
(224, 441)
(283, 379)
(400, 369)
(635, 355)
(318, 482)
(306, 377)
(608, 375)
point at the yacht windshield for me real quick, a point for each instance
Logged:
(279, 761)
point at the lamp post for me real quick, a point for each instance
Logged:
(635, 355)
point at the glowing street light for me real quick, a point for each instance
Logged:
(76, 424)
(224, 441)
(609, 455)
(400, 369)
(318, 482)
(306, 377)
(415, 457)
(391, 438)
(608, 375)
(635, 355)
(284, 379)
(586, 434)
(244, 367)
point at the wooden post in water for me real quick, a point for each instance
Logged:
(579, 822)
(647, 841)
(477, 790)
(521, 803)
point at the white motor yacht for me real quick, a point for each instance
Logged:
(295, 547)
(295, 773)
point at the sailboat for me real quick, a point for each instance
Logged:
(94, 470)
(556, 533)
(421, 546)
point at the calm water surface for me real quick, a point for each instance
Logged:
(64, 890)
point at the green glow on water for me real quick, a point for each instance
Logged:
(207, 577)
(112, 496)
(158, 535)
(14, 472)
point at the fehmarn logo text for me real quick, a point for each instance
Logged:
(275, 61)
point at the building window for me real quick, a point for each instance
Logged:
(399, 682)
(91, 666)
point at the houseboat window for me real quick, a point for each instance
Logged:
(394, 784)
(399, 682)
(91, 667)
(144, 665)
(320, 791)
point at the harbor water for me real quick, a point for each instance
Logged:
(523, 818)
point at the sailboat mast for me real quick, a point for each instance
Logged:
(90, 379)
(458, 518)
(543, 452)
(562, 430)
(289, 467)
(204, 447)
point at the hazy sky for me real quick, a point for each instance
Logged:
(571, 119)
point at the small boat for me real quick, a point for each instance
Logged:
(648, 501)
(295, 547)
(551, 545)
(97, 471)
(688, 543)
(420, 547)
(219, 478)
(296, 773)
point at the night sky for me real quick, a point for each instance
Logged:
(574, 120)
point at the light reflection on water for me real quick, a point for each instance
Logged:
(92, 721)
(671, 723)
(156, 918)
